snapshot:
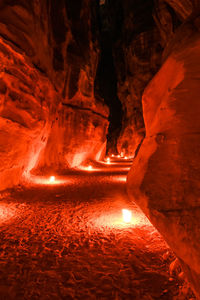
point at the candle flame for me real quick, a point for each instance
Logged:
(52, 179)
(127, 215)
(108, 160)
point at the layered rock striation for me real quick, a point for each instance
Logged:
(49, 117)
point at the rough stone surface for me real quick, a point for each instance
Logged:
(137, 54)
(48, 113)
(143, 31)
(164, 179)
(58, 245)
(58, 37)
(78, 135)
(25, 106)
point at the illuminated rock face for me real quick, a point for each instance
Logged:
(59, 38)
(164, 179)
(138, 57)
(48, 113)
(25, 110)
(78, 135)
(146, 29)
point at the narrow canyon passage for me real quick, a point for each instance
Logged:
(67, 240)
(79, 81)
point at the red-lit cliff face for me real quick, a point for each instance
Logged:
(137, 54)
(164, 179)
(147, 27)
(49, 117)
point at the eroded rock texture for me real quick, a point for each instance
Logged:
(143, 31)
(24, 113)
(48, 114)
(137, 55)
(164, 179)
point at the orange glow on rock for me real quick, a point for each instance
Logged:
(7, 211)
(121, 178)
(127, 215)
(42, 180)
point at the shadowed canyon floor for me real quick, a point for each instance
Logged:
(68, 241)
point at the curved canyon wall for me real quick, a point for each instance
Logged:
(49, 117)
(141, 32)
(137, 52)
(164, 178)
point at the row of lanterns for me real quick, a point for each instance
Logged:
(126, 214)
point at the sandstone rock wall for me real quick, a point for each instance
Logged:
(48, 113)
(146, 29)
(77, 135)
(164, 179)
(141, 61)
(137, 54)
(25, 111)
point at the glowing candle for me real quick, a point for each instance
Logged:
(108, 160)
(127, 215)
(112, 155)
(90, 168)
(118, 155)
(126, 157)
(52, 179)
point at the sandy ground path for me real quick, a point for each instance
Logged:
(68, 241)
